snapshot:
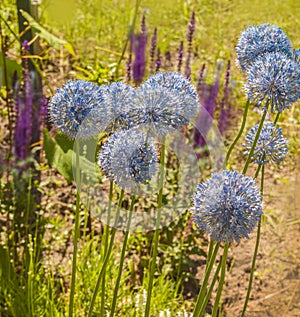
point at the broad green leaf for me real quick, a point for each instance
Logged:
(59, 153)
(53, 40)
(11, 67)
(57, 158)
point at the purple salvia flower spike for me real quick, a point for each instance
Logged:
(25, 45)
(129, 69)
(158, 61)
(23, 100)
(190, 35)
(139, 48)
(191, 31)
(180, 54)
(200, 80)
(22, 137)
(153, 49)
(205, 117)
(212, 98)
(224, 106)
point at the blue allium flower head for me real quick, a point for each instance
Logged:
(258, 40)
(117, 96)
(275, 79)
(128, 158)
(165, 102)
(271, 146)
(182, 88)
(297, 56)
(227, 206)
(71, 106)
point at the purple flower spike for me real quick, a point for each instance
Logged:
(23, 126)
(180, 53)
(190, 35)
(205, 117)
(139, 49)
(158, 61)
(26, 45)
(153, 49)
(224, 107)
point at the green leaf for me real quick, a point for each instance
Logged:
(11, 67)
(59, 153)
(57, 158)
(53, 40)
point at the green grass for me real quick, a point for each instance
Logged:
(98, 28)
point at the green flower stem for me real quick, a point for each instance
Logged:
(107, 256)
(255, 249)
(202, 291)
(77, 230)
(221, 282)
(156, 233)
(114, 301)
(277, 117)
(257, 171)
(210, 290)
(106, 239)
(209, 253)
(239, 133)
(254, 142)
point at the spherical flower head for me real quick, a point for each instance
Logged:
(128, 158)
(270, 146)
(258, 40)
(297, 56)
(162, 107)
(184, 90)
(117, 96)
(274, 79)
(71, 106)
(227, 206)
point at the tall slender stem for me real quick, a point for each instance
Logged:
(114, 301)
(5, 73)
(202, 291)
(106, 239)
(221, 282)
(209, 253)
(249, 157)
(77, 230)
(156, 233)
(255, 249)
(277, 117)
(107, 256)
(239, 133)
(257, 171)
(211, 287)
